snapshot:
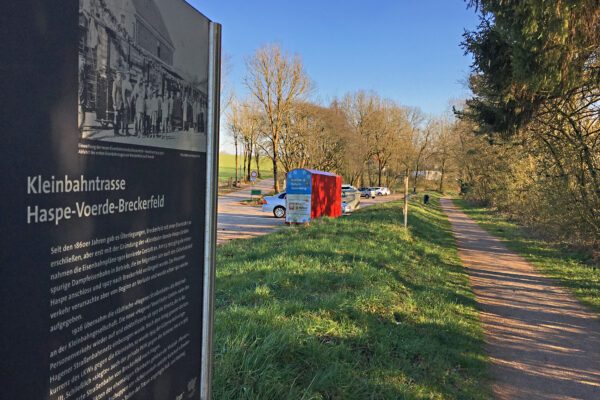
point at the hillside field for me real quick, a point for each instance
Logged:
(227, 167)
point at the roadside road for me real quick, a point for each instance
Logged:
(542, 343)
(239, 221)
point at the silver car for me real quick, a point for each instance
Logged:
(367, 192)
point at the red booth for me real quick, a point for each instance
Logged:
(312, 194)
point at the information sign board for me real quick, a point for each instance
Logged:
(109, 200)
(298, 199)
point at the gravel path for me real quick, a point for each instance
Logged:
(541, 342)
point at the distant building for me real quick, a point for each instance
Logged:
(143, 21)
(428, 175)
(131, 37)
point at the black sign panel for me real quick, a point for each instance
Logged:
(104, 187)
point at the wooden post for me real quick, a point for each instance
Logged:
(406, 201)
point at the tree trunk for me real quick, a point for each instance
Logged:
(275, 175)
(275, 159)
(236, 160)
(416, 180)
(257, 159)
(358, 178)
(441, 190)
(250, 149)
(244, 162)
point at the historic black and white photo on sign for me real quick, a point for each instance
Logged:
(143, 73)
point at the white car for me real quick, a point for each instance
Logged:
(275, 204)
(381, 191)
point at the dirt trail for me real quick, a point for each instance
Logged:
(542, 343)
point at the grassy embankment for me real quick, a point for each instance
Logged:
(227, 167)
(573, 269)
(352, 308)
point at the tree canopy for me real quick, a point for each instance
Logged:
(527, 53)
(536, 84)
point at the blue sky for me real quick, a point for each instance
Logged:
(405, 50)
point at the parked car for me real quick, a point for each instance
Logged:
(351, 196)
(367, 192)
(275, 204)
(385, 191)
(381, 190)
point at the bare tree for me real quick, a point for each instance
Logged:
(251, 122)
(227, 92)
(422, 142)
(359, 109)
(390, 124)
(443, 147)
(235, 128)
(244, 123)
(313, 137)
(276, 80)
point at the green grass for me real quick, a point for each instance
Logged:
(351, 308)
(227, 167)
(572, 269)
